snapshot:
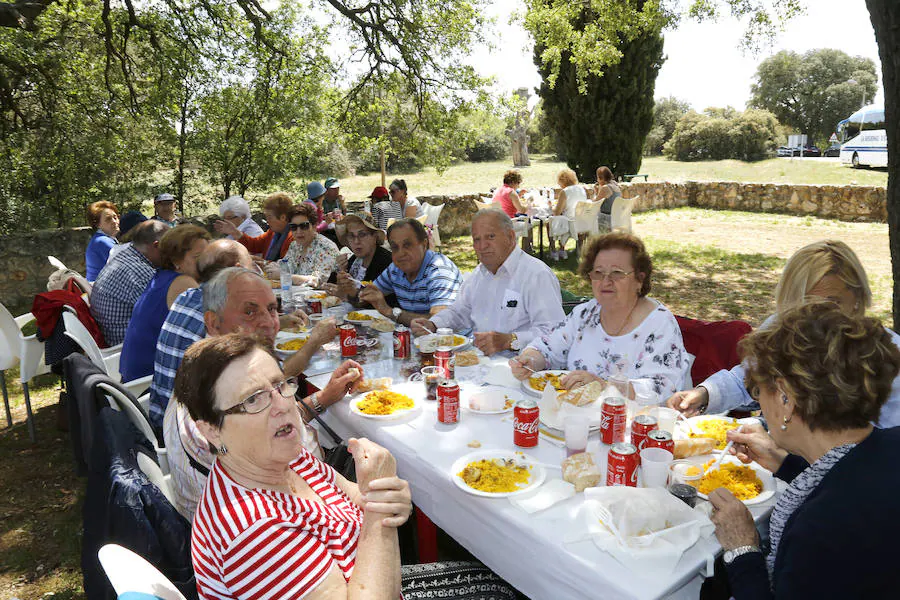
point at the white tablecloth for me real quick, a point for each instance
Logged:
(526, 550)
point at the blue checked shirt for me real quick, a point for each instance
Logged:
(436, 284)
(182, 327)
(118, 287)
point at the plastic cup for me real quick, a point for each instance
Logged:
(620, 382)
(655, 467)
(576, 430)
(431, 377)
(665, 418)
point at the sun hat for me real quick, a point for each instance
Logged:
(380, 192)
(332, 182)
(164, 198)
(364, 219)
(314, 189)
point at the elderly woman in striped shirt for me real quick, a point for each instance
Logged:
(275, 522)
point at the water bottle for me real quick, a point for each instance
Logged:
(287, 300)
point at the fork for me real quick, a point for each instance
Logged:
(607, 519)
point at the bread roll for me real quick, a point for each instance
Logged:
(469, 358)
(584, 394)
(580, 470)
(369, 385)
(694, 447)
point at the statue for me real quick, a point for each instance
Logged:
(520, 138)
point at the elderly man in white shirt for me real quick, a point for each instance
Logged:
(510, 298)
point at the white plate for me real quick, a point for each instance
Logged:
(535, 392)
(354, 407)
(682, 430)
(372, 313)
(466, 341)
(283, 354)
(468, 393)
(767, 479)
(538, 474)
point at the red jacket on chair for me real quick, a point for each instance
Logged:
(47, 310)
(714, 343)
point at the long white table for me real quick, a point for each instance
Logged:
(527, 550)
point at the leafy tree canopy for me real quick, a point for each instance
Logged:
(666, 113)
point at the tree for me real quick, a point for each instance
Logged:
(813, 91)
(666, 113)
(723, 133)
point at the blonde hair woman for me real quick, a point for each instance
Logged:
(570, 194)
(828, 270)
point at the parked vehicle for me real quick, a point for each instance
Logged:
(832, 150)
(864, 138)
(808, 150)
(784, 151)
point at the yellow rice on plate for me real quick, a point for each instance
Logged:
(740, 480)
(358, 316)
(714, 428)
(538, 382)
(292, 345)
(495, 475)
(384, 402)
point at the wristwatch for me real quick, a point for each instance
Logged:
(730, 555)
(396, 312)
(514, 343)
(317, 406)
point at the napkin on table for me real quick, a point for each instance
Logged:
(545, 496)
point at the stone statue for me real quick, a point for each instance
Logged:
(520, 138)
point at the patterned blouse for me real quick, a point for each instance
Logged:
(652, 355)
(320, 260)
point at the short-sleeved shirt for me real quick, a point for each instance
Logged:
(257, 543)
(436, 284)
(118, 287)
(183, 326)
(319, 260)
(147, 318)
(386, 210)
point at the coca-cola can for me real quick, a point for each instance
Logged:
(660, 438)
(401, 342)
(525, 423)
(641, 425)
(348, 340)
(448, 402)
(612, 420)
(315, 305)
(443, 358)
(622, 465)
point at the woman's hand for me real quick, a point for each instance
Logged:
(733, 521)
(342, 381)
(227, 228)
(372, 462)
(575, 379)
(753, 443)
(389, 496)
(690, 402)
(530, 358)
(270, 268)
(342, 262)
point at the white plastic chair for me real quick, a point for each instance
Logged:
(130, 572)
(156, 476)
(107, 360)
(22, 350)
(620, 216)
(484, 204)
(560, 229)
(432, 213)
(132, 409)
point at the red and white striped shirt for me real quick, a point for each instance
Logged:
(260, 544)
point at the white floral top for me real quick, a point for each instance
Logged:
(320, 260)
(653, 353)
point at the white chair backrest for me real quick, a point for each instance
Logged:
(485, 203)
(132, 409)
(560, 226)
(586, 217)
(57, 264)
(130, 572)
(432, 213)
(156, 477)
(76, 330)
(521, 225)
(620, 216)
(9, 340)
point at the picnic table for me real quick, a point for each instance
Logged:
(628, 178)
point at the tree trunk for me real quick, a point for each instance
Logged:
(182, 150)
(885, 15)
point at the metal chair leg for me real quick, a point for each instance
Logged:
(5, 398)
(29, 416)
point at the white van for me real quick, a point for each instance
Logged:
(863, 137)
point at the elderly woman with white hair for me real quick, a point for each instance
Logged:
(236, 211)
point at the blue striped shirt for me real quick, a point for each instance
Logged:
(436, 284)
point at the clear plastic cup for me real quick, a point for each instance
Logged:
(576, 430)
(665, 418)
(430, 377)
(655, 467)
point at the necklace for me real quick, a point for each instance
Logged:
(627, 318)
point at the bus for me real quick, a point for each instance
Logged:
(863, 138)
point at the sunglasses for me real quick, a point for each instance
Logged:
(304, 226)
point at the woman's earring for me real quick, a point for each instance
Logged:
(223, 450)
(785, 421)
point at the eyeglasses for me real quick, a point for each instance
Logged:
(615, 275)
(261, 400)
(304, 226)
(393, 190)
(359, 236)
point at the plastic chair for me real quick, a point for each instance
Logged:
(484, 204)
(164, 482)
(586, 221)
(432, 213)
(620, 217)
(123, 401)
(560, 229)
(22, 350)
(130, 572)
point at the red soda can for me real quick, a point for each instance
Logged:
(641, 425)
(401, 342)
(448, 402)
(443, 358)
(525, 423)
(612, 420)
(622, 465)
(315, 306)
(348, 340)
(660, 438)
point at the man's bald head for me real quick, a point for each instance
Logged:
(222, 254)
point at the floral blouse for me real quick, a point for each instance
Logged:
(320, 260)
(652, 355)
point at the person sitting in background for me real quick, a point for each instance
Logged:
(368, 261)
(826, 269)
(406, 205)
(821, 377)
(333, 199)
(184, 324)
(606, 190)
(164, 209)
(570, 194)
(312, 257)
(104, 217)
(236, 211)
(422, 282)
(381, 207)
(507, 196)
(509, 299)
(179, 250)
(620, 331)
(239, 301)
(124, 279)
(126, 227)
(274, 243)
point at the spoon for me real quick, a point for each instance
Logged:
(728, 446)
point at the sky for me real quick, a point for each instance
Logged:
(704, 64)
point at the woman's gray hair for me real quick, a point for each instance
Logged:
(215, 291)
(501, 219)
(235, 204)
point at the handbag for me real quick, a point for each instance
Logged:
(337, 457)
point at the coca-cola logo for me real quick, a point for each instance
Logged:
(633, 478)
(526, 426)
(349, 341)
(605, 421)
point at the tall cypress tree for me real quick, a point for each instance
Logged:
(607, 124)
